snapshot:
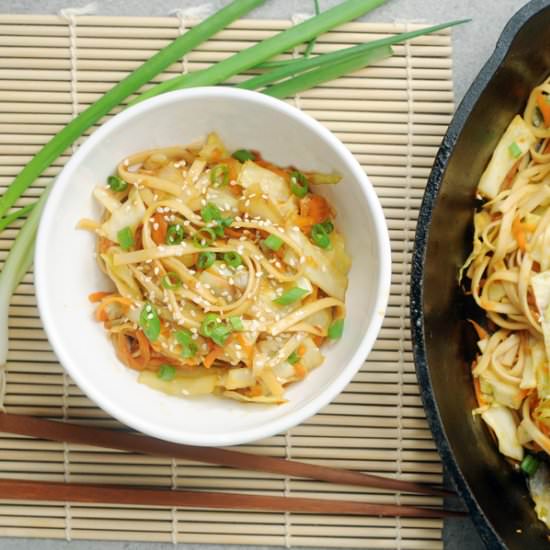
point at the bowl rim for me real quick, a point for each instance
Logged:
(311, 406)
(503, 45)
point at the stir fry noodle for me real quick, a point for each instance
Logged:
(229, 275)
(509, 270)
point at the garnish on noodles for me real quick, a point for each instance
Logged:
(229, 274)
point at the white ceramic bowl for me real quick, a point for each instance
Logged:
(66, 271)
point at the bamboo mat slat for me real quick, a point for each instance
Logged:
(392, 116)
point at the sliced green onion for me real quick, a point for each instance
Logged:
(530, 464)
(232, 259)
(149, 322)
(298, 184)
(290, 296)
(206, 259)
(219, 334)
(319, 236)
(242, 155)
(125, 88)
(328, 226)
(210, 213)
(293, 358)
(210, 321)
(175, 233)
(515, 150)
(117, 184)
(219, 175)
(125, 238)
(171, 281)
(204, 237)
(166, 372)
(273, 242)
(336, 329)
(185, 340)
(236, 322)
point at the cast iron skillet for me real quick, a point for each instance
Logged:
(443, 344)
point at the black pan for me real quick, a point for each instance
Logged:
(495, 495)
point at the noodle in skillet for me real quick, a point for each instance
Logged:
(509, 270)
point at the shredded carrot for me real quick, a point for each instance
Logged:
(544, 106)
(101, 311)
(315, 207)
(518, 232)
(318, 340)
(104, 244)
(216, 154)
(481, 332)
(253, 391)
(98, 296)
(301, 350)
(233, 233)
(233, 165)
(144, 347)
(547, 148)
(215, 352)
(247, 348)
(159, 228)
(507, 183)
(122, 347)
(299, 370)
(481, 402)
(304, 222)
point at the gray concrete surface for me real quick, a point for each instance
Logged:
(473, 43)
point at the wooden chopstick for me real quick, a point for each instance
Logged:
(11, 489)
(114, 439)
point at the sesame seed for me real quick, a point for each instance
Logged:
(155, 226)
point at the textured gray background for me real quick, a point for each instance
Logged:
(473, 43)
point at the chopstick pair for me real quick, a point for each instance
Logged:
(99, 437)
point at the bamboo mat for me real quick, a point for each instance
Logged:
(392, 117)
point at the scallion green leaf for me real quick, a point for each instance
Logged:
(125, 238)
(210, 213)
(210, 321)
(220, 333)
(328, 226)
(232, 259)
(515, 150)
(219, 175)
(319, 236)
(290, 296)
(117, 184)
(166, 372)
(204, 237)
(188, 346)
(175, 234)
(273, 242)
(236, 322)
(293, 358)
(336, 329)
(206, 260)
(149, 322)
(298, 184)
(325, 73)
(530, 464)
(171, 281)
(242, 155)
(250, 57)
